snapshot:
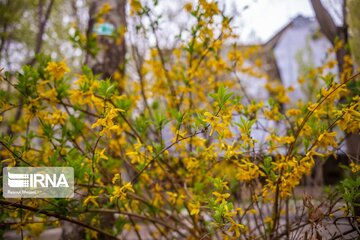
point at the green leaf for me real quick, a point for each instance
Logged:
(177, 115)
(77, 125)
(120, 223)
(48, 130)
(328, 79)
(106, 89)
(267, 164)
(27, 82)
(245, 125)
(123, 104)
(222, 96)
(160, 120)
(62, 90)
(141, 124)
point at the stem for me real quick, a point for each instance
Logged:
(308, 115)
(37, 210)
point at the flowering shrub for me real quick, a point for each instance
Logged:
(175, 154)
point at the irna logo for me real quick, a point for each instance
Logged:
(38, 182)
(19, 180)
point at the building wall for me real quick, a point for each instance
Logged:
(296, 42)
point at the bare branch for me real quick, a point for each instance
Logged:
(42, 25)
(325, 20)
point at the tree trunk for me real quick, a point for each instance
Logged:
(112, 57)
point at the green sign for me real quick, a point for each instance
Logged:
(104, 29)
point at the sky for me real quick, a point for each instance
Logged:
(263, 18)
(256, 21)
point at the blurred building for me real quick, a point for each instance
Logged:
(294, 50)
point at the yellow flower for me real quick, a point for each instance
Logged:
(301, 80)
(35, 228)
(90, 199)
(248, 171)
(194, 208)
(355, 167)
(214, 121)
(252, 211)
(188, 6)
(31, 109)
(350, 118)
(102, 155)
(107, 122)
(240, 211)
(136, 156)
(327, 139)
(252, 108)
(50, 95)
(57, 70)
(331, 64)
(172, 197)
(116, 177)
(121, 192)
(221, 197)
(63, 151)
(293, 112)
(268, 220)
(220, 184)
(281, 139)
(135, 7)
(58, 117)
(11, 162)
(273, 114)
(210, 8)
(235, 227)
(283, 98)
(105, 8)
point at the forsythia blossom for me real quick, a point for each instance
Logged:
(57, 70)
(121, 192)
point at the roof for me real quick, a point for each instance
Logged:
(296, 22)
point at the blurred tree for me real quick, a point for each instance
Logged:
(15, 31)
(331, 31)
(11, 13)
(29, 28)
(44, 10)
(354, 28)
(110, 60)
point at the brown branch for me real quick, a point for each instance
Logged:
(126, 120)
(3, 38)
(90, 26)
(309, 114)
(42, 25)
(41, 211)
(138, 64)
(325, 20)
(165, 149)
(162, 58)
(13, 153)
(134, 215)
